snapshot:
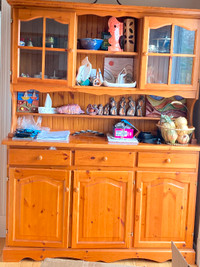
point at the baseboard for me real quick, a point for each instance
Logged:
(2, 226)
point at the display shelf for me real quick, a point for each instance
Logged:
(87, 116)
(101, 52)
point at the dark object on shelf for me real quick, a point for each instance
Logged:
(113, 107)
(105, 36)
(26, 133)
(116, 0)
(131, 109)
(122, 108)
(96, 133)
(148, 137)
(140, 105)
(92, 110)
(106, 109)
(100, 109)
(28, 101)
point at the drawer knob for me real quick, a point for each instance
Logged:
(105, 158)
(168, 160)
(139, 190)
(76, 189)
(40, 157)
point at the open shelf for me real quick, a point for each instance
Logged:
(102, 52)
(83, 116)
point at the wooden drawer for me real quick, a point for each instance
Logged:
(104, 158)
(39, 157)
(167, 160)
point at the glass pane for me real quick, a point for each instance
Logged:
(181, 70)
(31, 32)
(56, 34)
(56, 65)
(30, 63)
(157, 71)
(183, 41)
(160, 40)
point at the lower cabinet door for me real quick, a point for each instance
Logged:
(102, 209)
(165, 209)
(38, 207)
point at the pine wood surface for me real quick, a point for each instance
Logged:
(30, 263)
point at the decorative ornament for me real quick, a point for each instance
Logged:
(116, 31)
(129, 35)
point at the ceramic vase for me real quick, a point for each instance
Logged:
(116, 31)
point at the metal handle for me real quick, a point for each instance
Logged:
(105, 158)
(40, 157)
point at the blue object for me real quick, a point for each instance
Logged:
(91, 44)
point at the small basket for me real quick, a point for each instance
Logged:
(176, 136)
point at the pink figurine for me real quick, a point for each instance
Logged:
(116, 31)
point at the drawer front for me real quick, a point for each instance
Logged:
(39, 157)
(167, 160)
(104, 158)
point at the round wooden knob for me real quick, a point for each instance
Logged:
(139, 190)
(105, 158)
(40, 157)
(145, 53)
(67, 189)
(168, 160)
(76, 189)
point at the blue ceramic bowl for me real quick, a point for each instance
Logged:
(91, 44)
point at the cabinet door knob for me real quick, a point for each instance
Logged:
(105, 158)
(168, 160)
(40, 157)
(145, 53)
(139, 190)
(67, 189)
(76, 189)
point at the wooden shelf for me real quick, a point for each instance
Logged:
(40, 48)
(84, 116)
(102, 52)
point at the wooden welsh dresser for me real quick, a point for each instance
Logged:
(88, 199)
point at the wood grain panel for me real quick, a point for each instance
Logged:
(104, 158)
(102, 209)
(167, 160)
(162, 206)
(38, 207)
(39, 157)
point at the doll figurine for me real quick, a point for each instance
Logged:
(140, 105)
(131, 109)
(100, 110)
(113, 107)
(106, 109)
(122, 108)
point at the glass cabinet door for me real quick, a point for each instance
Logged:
(169, 53)
(43, 47)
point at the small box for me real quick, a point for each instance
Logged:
(28, 101)
(124, 129)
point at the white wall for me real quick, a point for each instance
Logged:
(5, 110)
(4, 78)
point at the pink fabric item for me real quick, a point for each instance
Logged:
(70, 109)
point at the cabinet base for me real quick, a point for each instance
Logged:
(107, 255)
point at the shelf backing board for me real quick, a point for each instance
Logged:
(93, 122)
